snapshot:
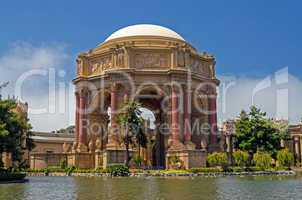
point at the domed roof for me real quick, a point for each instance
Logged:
(144, 30)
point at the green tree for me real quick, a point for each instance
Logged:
(14, 131)
(132, 122)
(255, 132)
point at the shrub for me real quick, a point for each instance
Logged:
(52, 169)
(70, 169)
(63, 164)
(138, 161)
(285, 158)
(205, 170)
(217, 159)
(262, 159)
(240, 158)
(176, 162)
(253, 169)
(46, 171)
(118, 170)
(100, 170)
(11, 176)
(236, 169)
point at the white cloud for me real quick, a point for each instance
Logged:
(278, 94)
(24, 58)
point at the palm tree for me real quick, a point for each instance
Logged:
(132, 121)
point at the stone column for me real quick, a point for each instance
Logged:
(300, 148)
(297, 149)
(113, 105)
(113, 132)
(174, 58)
(229, 143)
(187, 119)
(175, 132)
(213, 119)
(126, 96)
(77, 122)
(83, 125)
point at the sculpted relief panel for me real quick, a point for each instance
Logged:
(201, 67)
(101, 64)
(86, 66)
(80, 66)
(105, 62)
(151, 59)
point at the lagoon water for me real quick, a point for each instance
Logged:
(158, 188)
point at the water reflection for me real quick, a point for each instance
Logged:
(175, 188)
(145, 188)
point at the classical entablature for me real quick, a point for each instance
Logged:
(145, 53)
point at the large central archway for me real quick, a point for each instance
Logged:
(151, 101)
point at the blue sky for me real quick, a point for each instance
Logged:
(249, 38)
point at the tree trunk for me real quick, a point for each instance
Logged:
(1, 162)
(127, 148)
(127, 153)
(139, 146)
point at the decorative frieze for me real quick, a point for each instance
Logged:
(150, 60)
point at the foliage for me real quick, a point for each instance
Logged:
(63, 164)
(176, 162)
(255, 132)
(46, 171)
(285, 158)
(14, 130)
(138, 161)
(282, 128)
(236, 169)
(132, 122)
(118, 170)
(262, 159)
(70, 169)
(217, 159)
(205, 170)
(253, 169)
(240, 158)
(6, 175)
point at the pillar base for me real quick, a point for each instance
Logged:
(81, 160)
(175, 145)
(190, 145)
(186, 159)
(115, 157)
(113, 146)
(82, 148)
(98, 159)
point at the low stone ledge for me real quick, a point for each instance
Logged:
(215, 174)
(212, 174)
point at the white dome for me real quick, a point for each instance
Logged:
(144, 30)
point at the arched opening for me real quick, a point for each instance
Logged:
(150, 101)
(99, 117)
(149, 117)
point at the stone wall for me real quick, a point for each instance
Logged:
(45, 160)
